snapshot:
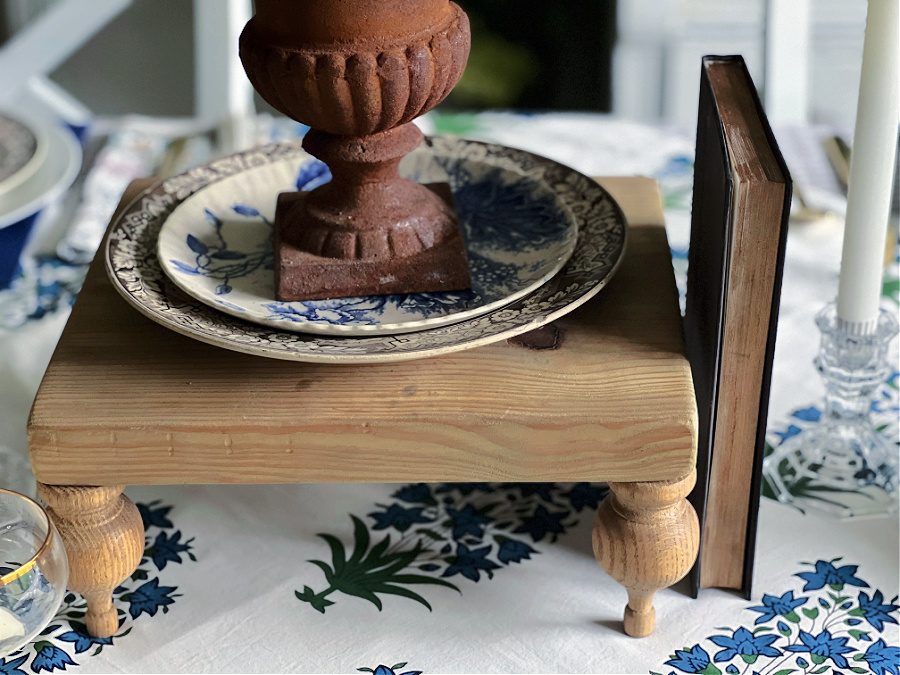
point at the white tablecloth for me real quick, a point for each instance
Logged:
(236, 579)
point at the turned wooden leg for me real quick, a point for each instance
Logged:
(646, 537)
(104, 539)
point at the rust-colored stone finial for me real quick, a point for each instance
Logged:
(358, 72)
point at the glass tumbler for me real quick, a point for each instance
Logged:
(33, 570)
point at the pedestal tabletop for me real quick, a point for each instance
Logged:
(603, 394)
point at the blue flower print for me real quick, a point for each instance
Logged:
(213, 258)
(81, 640)
(420, 493)
(470, 563)
(465, 489)
(835, 577)
(467, 521)
(184, 267)
(67, 637)
(883, 660)
(166, 549)
(451, 529)
(510, 214)
(822, 647)
(431, 304)
(312, 174)
(790, 432)
(398, 517)
(677, 165)
(384, 670)
(12, 667)
(246, 210)
(811, 414)
(805, 632)
(693, 660)
(50, 657)
(585, 496)
(335, 312)
(743, 643)
(875, 610)
(513, 551)
(542, 490)
(149, 597)
(773, 605)
(155, 516)
(542, 523)
(195, 244)
(679, 252)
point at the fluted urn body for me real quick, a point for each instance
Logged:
(357, 72)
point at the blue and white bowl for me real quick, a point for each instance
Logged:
(217, 247)
(22, 206)
(23, 149)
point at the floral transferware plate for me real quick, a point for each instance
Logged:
(217, 247)
(137, 275)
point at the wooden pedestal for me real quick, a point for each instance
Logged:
(610, 398)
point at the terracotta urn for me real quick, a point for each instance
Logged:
(357, 72)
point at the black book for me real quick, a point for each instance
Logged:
(741, 203)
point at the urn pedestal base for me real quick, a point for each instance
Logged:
(300, 275)
(358, 73)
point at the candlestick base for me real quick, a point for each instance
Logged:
(845, 465)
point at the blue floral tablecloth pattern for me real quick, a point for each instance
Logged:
(833, 622)
(413, 554)
(65, 642)
(468, 530)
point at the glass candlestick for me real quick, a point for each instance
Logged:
(844, 465)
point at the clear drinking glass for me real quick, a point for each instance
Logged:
(33, 570)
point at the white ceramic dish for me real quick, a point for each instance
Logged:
(21, 209)
(217, 247)
(23, 149)
(55, 175)
(135, 271)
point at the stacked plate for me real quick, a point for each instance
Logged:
(38, 162)
(194, 254)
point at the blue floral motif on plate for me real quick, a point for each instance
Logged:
(216, 246)
(136, 272)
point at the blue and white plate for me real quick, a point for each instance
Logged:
(217, 247)
(21, 209)
(136, 273)
(23, 149)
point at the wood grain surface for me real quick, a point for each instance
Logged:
(104, 538)
(125, 401)
(646, 537)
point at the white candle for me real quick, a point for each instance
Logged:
(871, 169)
